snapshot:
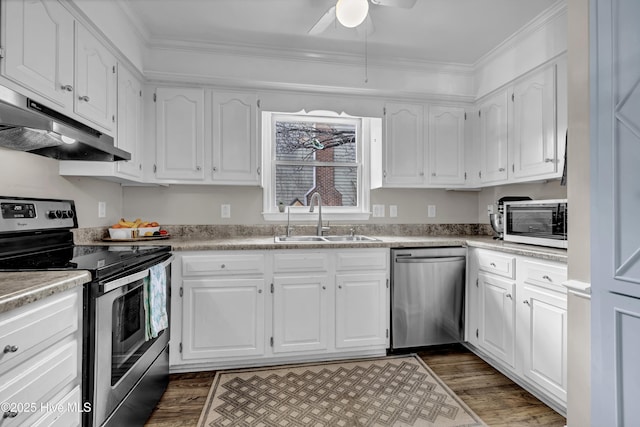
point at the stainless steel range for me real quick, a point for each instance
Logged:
(125, 368)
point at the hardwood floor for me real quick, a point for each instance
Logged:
(494, 397)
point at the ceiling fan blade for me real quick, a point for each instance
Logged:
(367, 26)
(324, 22)
(405, 4)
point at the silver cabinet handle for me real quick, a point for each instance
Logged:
(549, 160)
(547, 278)
(433, 174)
(259, 291)
(215, 169)
(493, 264)
(509, 296)
(501, 170)
(84, 98)
(324, 287)
(222, 266)
(10, 414)
(198, 168)
(259, 170)
(339, 286)
(384, 174)
(11, 349)
(526, 302)
(68, 88)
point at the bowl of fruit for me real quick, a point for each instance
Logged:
(134, 229)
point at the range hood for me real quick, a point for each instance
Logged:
(27, 125)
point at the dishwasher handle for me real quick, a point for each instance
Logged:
(428, 259)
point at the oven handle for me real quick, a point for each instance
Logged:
(115, 284)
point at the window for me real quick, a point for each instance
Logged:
(314, 152)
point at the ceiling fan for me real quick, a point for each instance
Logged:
(351, 13)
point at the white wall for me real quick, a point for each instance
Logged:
(30, 175)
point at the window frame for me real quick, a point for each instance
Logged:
(270, 210)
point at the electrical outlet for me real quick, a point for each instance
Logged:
(102, 209)
(378, 211)
(393, 211)
(431, 211)
(489, 209)
(225, 211)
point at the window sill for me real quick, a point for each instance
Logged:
(313, 216)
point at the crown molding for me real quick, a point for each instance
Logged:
(196, 80)
(531, 27)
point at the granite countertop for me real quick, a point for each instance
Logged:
(23, 287)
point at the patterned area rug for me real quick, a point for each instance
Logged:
(390, 391)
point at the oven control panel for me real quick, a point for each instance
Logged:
(22, 214)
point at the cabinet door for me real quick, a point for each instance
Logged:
(300, 318)
(179, 134)
(235, 145)
(361, 310)
(497, 312)
(534, 125)
(543, 338)
(404, 145)
(95, 77)
(129, 122)
(222, 318)
(493, 116)
(446, 145)
(41, 60)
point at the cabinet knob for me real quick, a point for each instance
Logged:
(433, 174)
(545, 277)
(526, 302)
(259, 291)
(222, 266)
(421, 173)
(84, 98)
(68, 88)
(493, 264)
(501, 170)
(548, 160)
(339, 286)
(11, 349)
(198, 168)
(384, 174)
(324, 287)
(10, 414)
(259, 170)
(509, 296)
(215, 169)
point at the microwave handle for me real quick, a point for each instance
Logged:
(115, 284)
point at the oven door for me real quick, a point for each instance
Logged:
(121, 356)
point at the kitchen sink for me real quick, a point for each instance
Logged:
(324, 239)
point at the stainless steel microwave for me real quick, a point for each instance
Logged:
(536, 222)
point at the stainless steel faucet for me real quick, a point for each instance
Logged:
(288, 222)
(316, 196)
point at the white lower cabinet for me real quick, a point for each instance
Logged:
(518, 320)
(40, 368)
(249, 308)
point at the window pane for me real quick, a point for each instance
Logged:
(337, 185)
(320, 141)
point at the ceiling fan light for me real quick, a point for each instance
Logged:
(352, 13)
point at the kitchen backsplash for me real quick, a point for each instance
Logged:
(87, 235)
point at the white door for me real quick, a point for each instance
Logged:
(300, 318)
(42, 59)
(129, 123)
(235, 143)
(615, 208)
(534, 125)
(95, 77)
(222, 318)
(543, 338)
(361, 310)
(180, 134)
(494, 134)
(497, 313)
(446, 145)
(404, 145)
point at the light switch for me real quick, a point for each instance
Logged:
(431, 211)
(225, 211)
(102, 209)
(489, 209)
(393, 211)
(378, 211)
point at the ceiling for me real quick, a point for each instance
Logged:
(449, 31)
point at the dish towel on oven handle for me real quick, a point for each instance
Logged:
(155, 302)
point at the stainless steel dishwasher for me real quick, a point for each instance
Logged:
(427, 296)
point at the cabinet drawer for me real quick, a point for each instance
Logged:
(63, 413)
(31, 384)
(222, 264)
(544, 274)
(502, 265)
(358, 260)
(300, 261)
(29, 326)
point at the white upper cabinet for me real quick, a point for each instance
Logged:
(534, 125)
(404, 163)
(95, 82)
(179, 134)
(494, 133)
(235, 143)
(446, 145)
(129, 123)
(41, 59)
